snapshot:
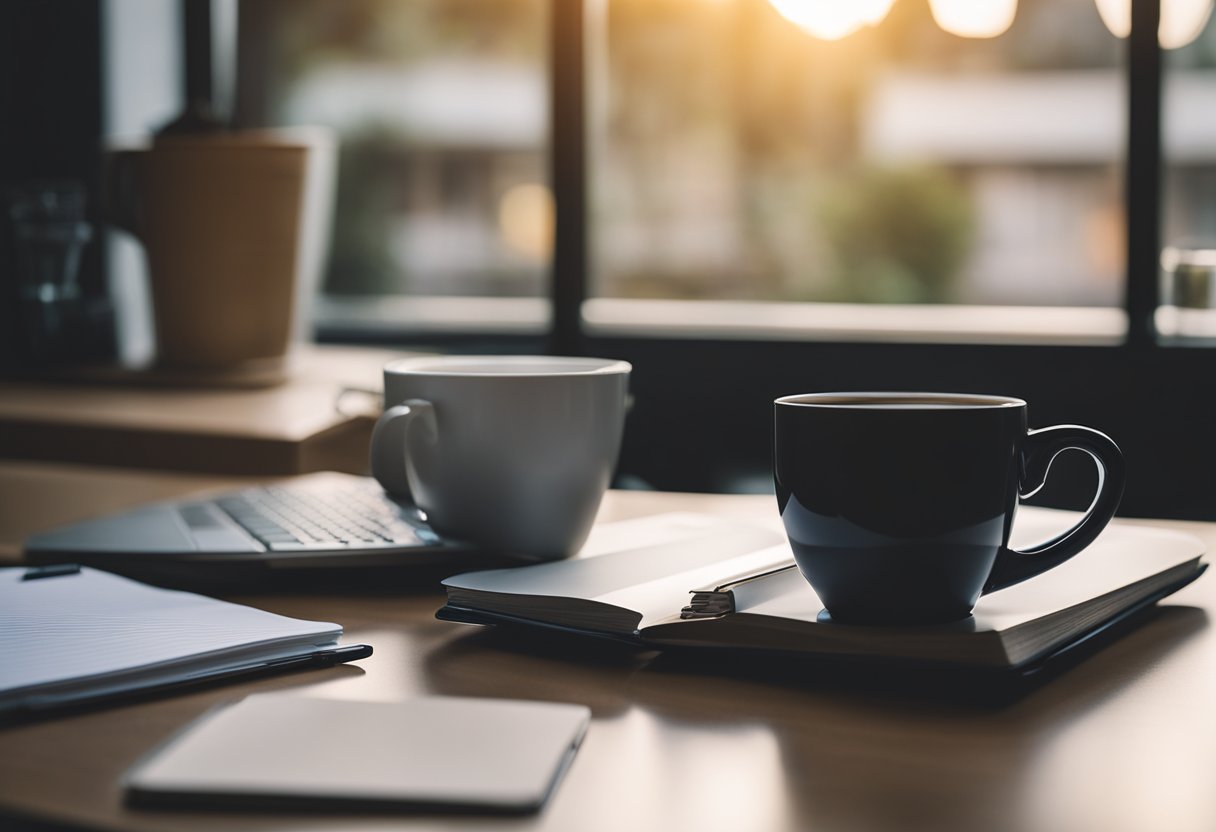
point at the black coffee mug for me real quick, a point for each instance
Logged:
(898, 506)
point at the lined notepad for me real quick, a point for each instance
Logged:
(76, 636)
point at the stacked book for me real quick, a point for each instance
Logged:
(732, 586)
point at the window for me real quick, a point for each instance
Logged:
(736, 154)
(442, 111)
(1189, 175)
(741, 153)
(1189, 127)
(743, 156)
(746, 208)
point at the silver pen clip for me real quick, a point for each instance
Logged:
(719, 599)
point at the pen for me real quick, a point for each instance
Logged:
(319, 659)
(55, 570)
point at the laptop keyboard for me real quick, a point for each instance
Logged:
(338, 516)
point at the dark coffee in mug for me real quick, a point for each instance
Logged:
(898, 506)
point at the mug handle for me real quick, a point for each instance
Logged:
(1012, 566)
(389, 447)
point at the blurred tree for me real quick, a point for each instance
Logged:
(897, 235)
(365, 205)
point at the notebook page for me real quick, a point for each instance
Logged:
(612, 576)
(662, 599)
(93, 624)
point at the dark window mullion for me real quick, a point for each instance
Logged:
(197, 52)
(1143, 173)
(568, 172)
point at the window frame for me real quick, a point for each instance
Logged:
(703, 396)
(564, 323)
(573, 24)
(703, 401)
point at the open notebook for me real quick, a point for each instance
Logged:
(715, 589)
(69, 635)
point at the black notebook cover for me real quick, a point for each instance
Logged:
(1059, 658)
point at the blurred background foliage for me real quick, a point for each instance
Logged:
(898, 234)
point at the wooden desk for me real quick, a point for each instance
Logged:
(307, 423)
(1124, 741)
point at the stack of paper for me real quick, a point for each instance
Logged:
(69, 637)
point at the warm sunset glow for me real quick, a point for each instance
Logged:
(525, 220)
(832, 19)
(974, 18)
(1181, 20)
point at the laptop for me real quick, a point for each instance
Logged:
(312, 522)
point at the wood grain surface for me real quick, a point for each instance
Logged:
(1125, 740)
(318, 418)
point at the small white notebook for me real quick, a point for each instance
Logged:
(70, 637)
(429, 752)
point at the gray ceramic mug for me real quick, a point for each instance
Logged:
(509, 453)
